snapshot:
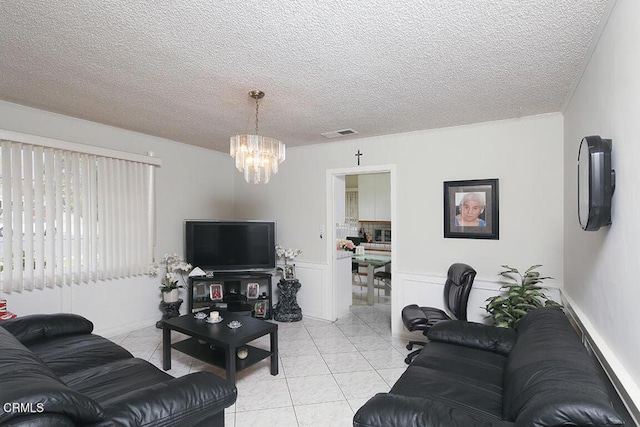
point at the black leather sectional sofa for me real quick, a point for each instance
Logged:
(55, 372)
(470, 374)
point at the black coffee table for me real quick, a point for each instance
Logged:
(224, 339)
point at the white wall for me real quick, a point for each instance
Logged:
(524, 154)
(192, 183)
(601, 267)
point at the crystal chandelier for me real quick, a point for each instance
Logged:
(257, 156)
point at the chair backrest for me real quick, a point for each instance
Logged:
(457, 288)
(356, 240)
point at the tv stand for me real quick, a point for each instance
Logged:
(235, 297)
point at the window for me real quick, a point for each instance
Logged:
(71, 213)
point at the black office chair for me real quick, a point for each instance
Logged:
(456, 296)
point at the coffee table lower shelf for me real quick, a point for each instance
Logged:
(216, 357)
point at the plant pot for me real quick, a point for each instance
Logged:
(171, 296)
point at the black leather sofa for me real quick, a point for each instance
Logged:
(55, 372)
(470, 374)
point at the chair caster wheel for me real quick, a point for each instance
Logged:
(407, 360)
(409, 346)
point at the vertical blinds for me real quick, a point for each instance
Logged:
(72, 217)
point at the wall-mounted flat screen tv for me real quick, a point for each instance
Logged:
(231, 245)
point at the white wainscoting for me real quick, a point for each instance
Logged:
(623, 382)
(428, 290)
(312, 298)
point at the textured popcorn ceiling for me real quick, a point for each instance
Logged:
(181, 69)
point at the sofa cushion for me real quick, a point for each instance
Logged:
(474, 335)
(37, 327)
(72, 353)
(110, 381)
(460, 376)
(135, 392)
(550, 379)
(27, 381)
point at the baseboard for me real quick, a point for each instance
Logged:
(623, 383)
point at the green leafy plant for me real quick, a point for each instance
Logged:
(520, 294)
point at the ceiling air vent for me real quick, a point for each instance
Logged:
(339, 133)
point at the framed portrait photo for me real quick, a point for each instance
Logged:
(260, 309)
(471, 209)
(252, 290)
(215, 292)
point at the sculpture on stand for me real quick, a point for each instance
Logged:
(287, 308)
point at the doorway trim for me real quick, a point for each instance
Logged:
(330, 227)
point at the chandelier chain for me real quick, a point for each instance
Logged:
(256, 117)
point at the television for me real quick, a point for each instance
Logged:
(231, 245)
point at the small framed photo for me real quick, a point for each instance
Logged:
(253, 290)
(471, 209)
(289, 272)
(261, 308)
(215, 292)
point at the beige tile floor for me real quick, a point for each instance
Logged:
(327, 370)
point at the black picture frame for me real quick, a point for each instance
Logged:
(480, 194)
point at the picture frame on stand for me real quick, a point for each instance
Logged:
(289, 272)
(216, 292)
(252, 290)
(260, 309)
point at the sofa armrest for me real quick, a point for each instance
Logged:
(474, 335)
(183, 401)
(37, 327)
(392, 410)
(42, 420)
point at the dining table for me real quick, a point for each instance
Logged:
(372, 261)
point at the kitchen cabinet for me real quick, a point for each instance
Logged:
(374, 197)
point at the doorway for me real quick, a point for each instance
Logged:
(368, 225)
(336, 189)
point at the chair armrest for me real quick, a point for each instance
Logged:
(392, 410)
(37, 327)
(474, 335)
(183, 401)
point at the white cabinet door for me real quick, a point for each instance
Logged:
(383, 197)
(374, 197)
(366, 198)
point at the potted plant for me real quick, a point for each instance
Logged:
(173, 266)
(521, 294)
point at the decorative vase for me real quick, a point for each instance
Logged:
(171, 296)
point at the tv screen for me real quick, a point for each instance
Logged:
(231, 245)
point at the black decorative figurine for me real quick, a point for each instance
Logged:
(287, 308)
